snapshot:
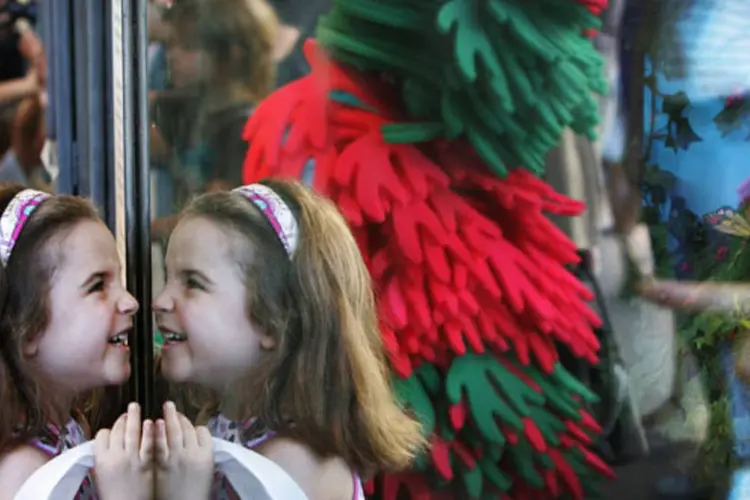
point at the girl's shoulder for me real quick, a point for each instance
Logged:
(18, 465)
(317, 476)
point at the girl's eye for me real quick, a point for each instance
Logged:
(193, 284)
(98, 286)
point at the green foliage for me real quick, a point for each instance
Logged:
(678, 132)
(656, 186)
(716, 454)
(705, 334)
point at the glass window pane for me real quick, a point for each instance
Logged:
(639, 109)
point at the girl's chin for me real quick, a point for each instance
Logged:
(175, 368)
(117, 365)
(119, 375)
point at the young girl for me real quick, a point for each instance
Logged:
(269, 304)
(65, 318)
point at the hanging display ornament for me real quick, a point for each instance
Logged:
(428, 124)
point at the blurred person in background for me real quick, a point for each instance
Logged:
(22, 162)
(158, 32)
(22, 96)
(220, 64)
(22, 64)
(298, 21)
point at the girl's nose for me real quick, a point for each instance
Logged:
(163, 303)
(127, 305)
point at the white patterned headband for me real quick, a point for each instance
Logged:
(277, 212)
(14, 218)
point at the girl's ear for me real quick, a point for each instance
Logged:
(267, 342)
(31, 348)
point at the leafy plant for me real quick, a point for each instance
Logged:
(706, 335)
(656, 187)
(735, 115)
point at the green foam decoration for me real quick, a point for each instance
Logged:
(421, 462)
(572, 384)
(559, 391)
(394, 14)
(473, 481)
(412, 395)
(410, 133)
(577, 462)
(491, 391)
(523, 455)
(512, 105)
(488, 477)
(475, 440)
(494, 474)
(348, 99)
(548, 424)
(545, 461)
(471, 43)
(444, 430)
(430, 378)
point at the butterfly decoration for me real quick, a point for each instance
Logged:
(730, 221)
(715, 217)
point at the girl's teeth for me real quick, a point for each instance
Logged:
(121, 339)
(174, 337)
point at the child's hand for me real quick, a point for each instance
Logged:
(123, 458)
(184, 458)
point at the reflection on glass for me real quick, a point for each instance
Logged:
(23, 72)
(211, 63)
(659, 181)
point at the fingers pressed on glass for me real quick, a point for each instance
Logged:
(133, 427)
(175, 437)
(147, 441)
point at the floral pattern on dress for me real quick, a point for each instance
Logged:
(56, 441)
(250, 434)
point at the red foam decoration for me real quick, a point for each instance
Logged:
(534, 435)
(415, 484)
(441, 457)
(595, 6)
(457, 415)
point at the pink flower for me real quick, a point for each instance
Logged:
(732, 100)
(722, 253)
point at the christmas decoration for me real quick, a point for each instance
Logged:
(428, 124)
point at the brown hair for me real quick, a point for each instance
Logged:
(27, 403)
(328, 372)
(238, 35)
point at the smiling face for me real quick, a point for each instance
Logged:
(202, 310)
(90, 312)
